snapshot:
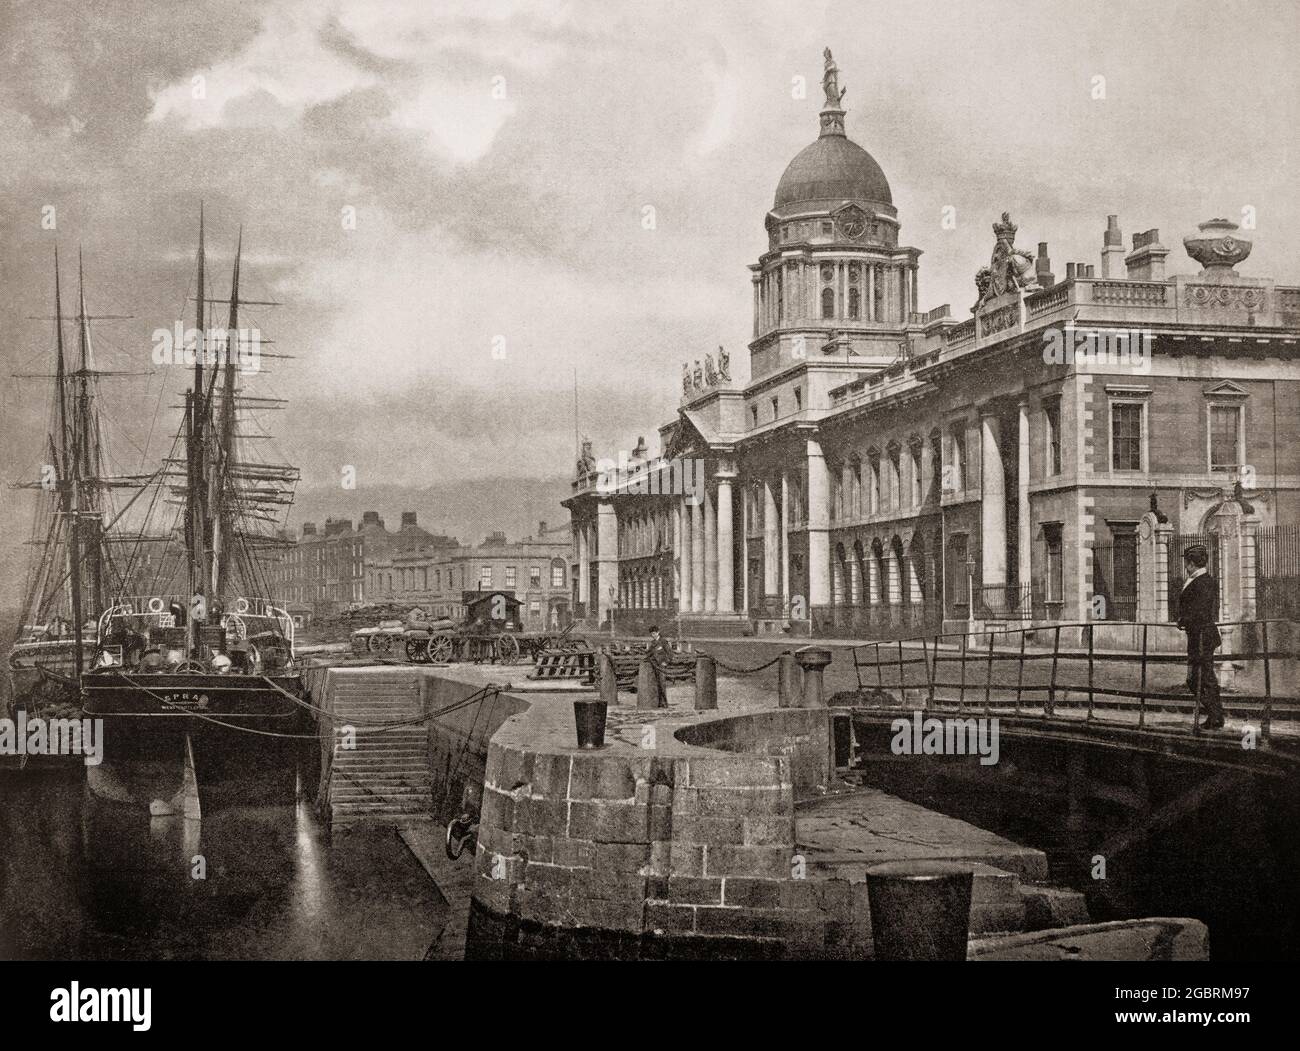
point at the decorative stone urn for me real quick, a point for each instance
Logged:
(1217, 248)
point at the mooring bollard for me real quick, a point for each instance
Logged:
(813, 661)
(706, 684)
(647, 687)
(590, 719)
(787, 681)
(608, 683)
(920, 910)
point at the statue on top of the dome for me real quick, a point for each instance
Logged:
(698, 376)
(831, 82)
(686, 377)
(724, 364)
(586, 460)
(710, 372)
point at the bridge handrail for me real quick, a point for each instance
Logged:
(933, 652)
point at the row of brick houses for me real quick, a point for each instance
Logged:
(435, 578)
(325, 569)
(887, 470)
(336, 566)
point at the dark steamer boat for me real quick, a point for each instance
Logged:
(199, 692)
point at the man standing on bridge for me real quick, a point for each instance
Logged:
(1198, 607)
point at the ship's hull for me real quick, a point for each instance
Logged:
(244, 736)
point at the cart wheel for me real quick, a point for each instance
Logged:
(378, 643)
(438, 649)
(507, 649)
(415, 650)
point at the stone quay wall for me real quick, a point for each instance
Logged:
(686, 849)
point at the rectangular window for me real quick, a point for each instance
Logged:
(753, 415)
(535, 607)
(1126, 436)
(1055, 564)
(485, 577)
(875, 488)
(510, 576)
(776, 408)
(914, 466)
(956, 480)
(534, 576)
(895, 479)
(798, 398)
(1225, 437)
(1052, 425)
(557, 575)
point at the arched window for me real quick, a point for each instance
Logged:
(854, 303)
(828, 302)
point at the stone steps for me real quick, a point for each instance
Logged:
(386, 778)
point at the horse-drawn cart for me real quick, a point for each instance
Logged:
(490, 633)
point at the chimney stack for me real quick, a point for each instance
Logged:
(1043, 267)
(1147, 260)
(408, 519)
(1112, 248)
(541, 528)
(308, 529)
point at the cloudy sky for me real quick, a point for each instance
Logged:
(499, 157)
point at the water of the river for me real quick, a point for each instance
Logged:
(84, 880)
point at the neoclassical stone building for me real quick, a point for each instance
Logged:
(886, 470)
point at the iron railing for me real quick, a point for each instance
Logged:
(1003, 602)
(958, 671)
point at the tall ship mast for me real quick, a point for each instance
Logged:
(73, 563)
(200, 683)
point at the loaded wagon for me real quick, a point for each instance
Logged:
(490, 632)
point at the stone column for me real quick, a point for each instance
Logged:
(685, 555)
(726, 587)
(914, 595)
(584, 565)
(874, 596)
(993, 512)
(606, 558)
(710, 551)
(819, 543)
(785, 540)
(697, 555)
(855, 579)
(746, 497)
(771, 542)
(757, 326)
(870, 311)
(1249, 529)
(1023, 533)
(894, 569)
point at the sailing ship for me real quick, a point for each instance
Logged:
(195, 679)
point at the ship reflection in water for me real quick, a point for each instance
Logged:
(85, 879)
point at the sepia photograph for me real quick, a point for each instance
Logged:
(703, 484)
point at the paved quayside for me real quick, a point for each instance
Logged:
(720, 833)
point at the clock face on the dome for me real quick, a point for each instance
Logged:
(853, 224)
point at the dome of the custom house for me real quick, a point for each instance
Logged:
(834, 168)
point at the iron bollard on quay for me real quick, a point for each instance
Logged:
(590, 719)
(813, 660)
(920, 910)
